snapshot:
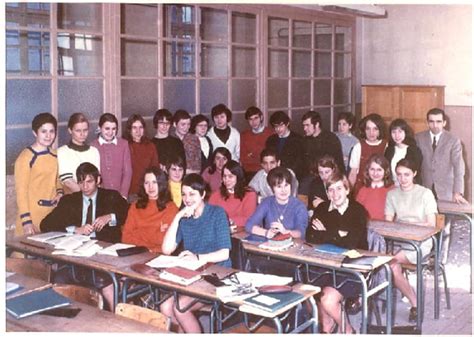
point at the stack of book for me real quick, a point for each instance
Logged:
(180, 275)
(278, 242)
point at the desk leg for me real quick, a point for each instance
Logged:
(436, 277)
(116, 289)
(419, 287)
(278, 326)
(388, 293)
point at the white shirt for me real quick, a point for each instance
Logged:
(102, 141)
(398, 155)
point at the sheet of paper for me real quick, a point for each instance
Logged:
(112, 250)
(166, 261)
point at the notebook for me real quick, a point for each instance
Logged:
(273, 302)
(180, 275)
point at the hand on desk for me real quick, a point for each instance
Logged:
(84, 230)
(187, 255)
(277, 227)
(29, 229)
(101, 221)
(317, 225)
(459, 199)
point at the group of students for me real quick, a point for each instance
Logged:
(194, 187)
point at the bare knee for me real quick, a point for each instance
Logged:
(167, 307)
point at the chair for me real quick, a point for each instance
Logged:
(33, 268)
(143, 315)
(80, 294)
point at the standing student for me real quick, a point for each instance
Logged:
(345, 122)
(252, 141)
(142, 152)
(115, 162)
(213, 174)
(38, 189)
(199, 127)
(166, 145)
(76, 152)
(175, 169)
(204, 231)
(223, 135)
(191, 143)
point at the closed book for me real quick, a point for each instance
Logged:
(34, 302)
(273, 302)
(180, 275)
(365, 262)
(255, 238)
(330, 248)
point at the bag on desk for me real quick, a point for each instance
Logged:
(396, 330)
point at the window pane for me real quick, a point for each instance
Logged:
(179, 59)
(278, 32)
(20, 15)
(239, 122)
(322, 92)
(300, 93)
(80, 95)
(323, 36)
(213, 61)
(278, 63)
(213, 92)
(139, 58)
(278, 94)
(244, 28)
(179, 94)
(343, 38)
(325, 117)
(138, 19)
(322, 64)
(25, 99)
(244, 94)
(179, 21)
(302, 34)
(80, 16)
(301, 64)
(17, 140)
(79, 55)
(243, 61)
(139, 97)
(213, 25)
(27, 52)
(343, 65)
(342, 91)
(296, 123)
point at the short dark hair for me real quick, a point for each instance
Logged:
(267, 152)
(314, 116)
(164, 195)
(239, 189)
(108, 117)
(384, 164)
(279, 117)
(160, 115)
(408, 163)
(324, 161)
(219, 109)
(77, 117)
(180, 114)
(348, 117)
(402, 124)
(221, 150)
(87, 169)
(196, 120)
(176, 160)
(251, 111)
(128, 128)
(377, 120)
(277, 175)
(436, 111)
(43, 118)
(196, 182)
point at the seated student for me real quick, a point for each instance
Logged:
(377, 183)
(412, 203)
(191, 143)
(94, 211)
(199, 127)
(345, 122)
(317, 192)
(213, 174)
(148, 219)
(238, 201)
(340, 221)
(268, 161)
(204, 231)
(115, 162)
(175, 168)
(223, 135)
(37, 186)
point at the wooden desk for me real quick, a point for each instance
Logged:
(89, 319)
(303, 253)
(413, 235)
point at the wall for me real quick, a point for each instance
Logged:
(423, 45)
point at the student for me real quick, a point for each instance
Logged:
(345, 122)
(377, 183)
(166, 145)
(402, 145)
(286, 143)
(148, 219)
(213, 174)
(175, 169)
(204, 231)
(233, 196)
(199, 127)
(252, 141)
(191, 143)
(115, 162)
(142, 152)
(340, 221)
(372, 129)
(70, 156)
(223, 135)
(317, 193)
(412, 203)
(37, 186)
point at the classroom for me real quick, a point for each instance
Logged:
(237, 111)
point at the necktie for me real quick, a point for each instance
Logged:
(89, 213)
(434, 144)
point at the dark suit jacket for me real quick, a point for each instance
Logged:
(326, 143)
(69, 212)
(291, 154)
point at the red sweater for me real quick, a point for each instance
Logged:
(143, 156)
(237, 210)
(251, 144)
(373, 199)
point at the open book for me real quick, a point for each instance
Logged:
(82, 249)
(45, 237)
(167, 261)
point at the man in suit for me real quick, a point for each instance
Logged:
(442, 168)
